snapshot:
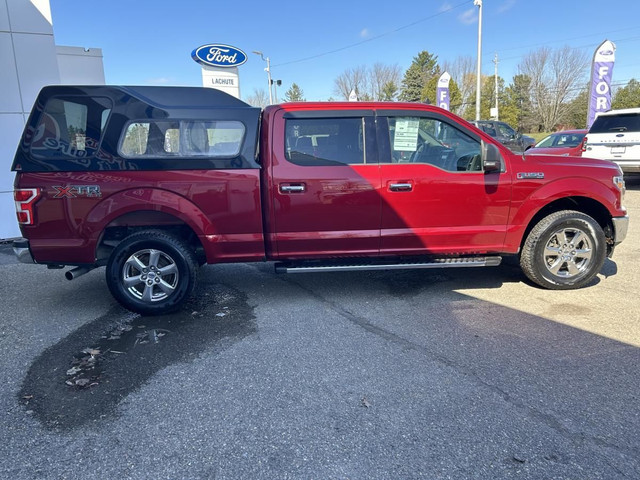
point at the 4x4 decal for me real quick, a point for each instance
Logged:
(73, 191)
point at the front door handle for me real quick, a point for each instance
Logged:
(400, 187)
(292, 188)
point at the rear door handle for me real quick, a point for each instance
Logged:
(400, 187)
(292, 188)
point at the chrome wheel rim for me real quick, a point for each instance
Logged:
(568, 253)
(150, 275)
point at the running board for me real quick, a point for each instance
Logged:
(328, 266)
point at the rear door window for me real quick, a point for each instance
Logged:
(325, 141)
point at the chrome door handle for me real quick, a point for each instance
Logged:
(284, 188)
(400, 187)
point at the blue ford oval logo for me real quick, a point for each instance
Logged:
(216, 55)
(606, 52)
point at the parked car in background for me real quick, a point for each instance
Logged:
(505, 134)
(566, 142)
(615, 136)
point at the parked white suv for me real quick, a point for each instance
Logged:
(615, 136)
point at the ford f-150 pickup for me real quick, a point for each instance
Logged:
(153, 182)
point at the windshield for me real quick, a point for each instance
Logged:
(561, 139)
(628, 122)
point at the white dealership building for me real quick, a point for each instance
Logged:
(30, 59)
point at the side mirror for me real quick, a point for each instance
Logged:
(491, 158)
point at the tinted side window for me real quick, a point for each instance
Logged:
(506, 130)
(70, 128)
(324, 141)
(629, 122)
(182, 138)
(431, 141)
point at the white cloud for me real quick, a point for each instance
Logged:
(468, 16)
(445, 6)
(506, 6)
(365, 33)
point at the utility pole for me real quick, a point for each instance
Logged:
(268, 70)
(478, 3)
(495, 60)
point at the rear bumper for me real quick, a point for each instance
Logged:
(22, 251)
(629, 167)
(620, 227)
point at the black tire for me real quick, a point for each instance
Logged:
(151, 272)
(565, 250)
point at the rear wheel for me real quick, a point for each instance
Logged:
(564, 250)
(152, 272)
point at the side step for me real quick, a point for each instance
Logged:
(310, 266)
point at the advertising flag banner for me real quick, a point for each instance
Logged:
(442, 92)
(601, 73)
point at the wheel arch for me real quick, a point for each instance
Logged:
(131, 210)
(586, 205)
(131, 222)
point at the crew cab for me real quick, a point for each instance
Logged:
(153, 182)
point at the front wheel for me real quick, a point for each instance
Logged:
(564, 250)
(151, 272)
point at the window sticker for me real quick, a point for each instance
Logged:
(406, 134)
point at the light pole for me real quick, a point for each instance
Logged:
(478, 3)
(268, 70)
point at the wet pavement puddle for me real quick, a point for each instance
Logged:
(83, 377)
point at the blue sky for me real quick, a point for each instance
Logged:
(150, 42)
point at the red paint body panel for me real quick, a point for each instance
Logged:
(337, 214)
(222, 207)
(445, 212)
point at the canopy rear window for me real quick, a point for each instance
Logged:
(70, 128)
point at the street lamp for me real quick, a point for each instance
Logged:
(268, 70)
(478, 3)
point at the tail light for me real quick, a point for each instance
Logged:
(584, 144)
(25, 200)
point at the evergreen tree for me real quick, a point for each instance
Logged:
(518, 100)
(389, 91)
(577, 116)
(422, 69)
(628, 96)
(294, 94)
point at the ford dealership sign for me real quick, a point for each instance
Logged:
(216, 55)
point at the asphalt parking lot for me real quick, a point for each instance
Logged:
(448, 374)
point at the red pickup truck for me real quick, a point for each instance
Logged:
(153, 182)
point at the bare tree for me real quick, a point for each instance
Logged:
(379, 82)
(352, 79)
(462, 71)
(556, 77)
(259, 98)
(382, 79)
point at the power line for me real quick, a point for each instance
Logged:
(568, 39)
(579, 47)
(376, 37)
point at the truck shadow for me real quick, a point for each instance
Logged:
(82, 378)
